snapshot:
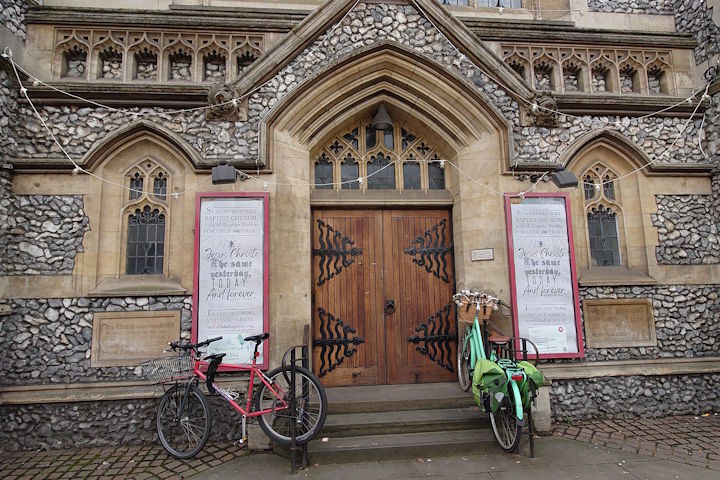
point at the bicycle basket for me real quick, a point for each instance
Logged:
(166, 369)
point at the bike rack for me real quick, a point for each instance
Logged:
(304, 360)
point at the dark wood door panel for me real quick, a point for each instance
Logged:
(347, 287)
(422, 285)
(361, 260)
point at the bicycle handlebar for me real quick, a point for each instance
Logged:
(193, 346)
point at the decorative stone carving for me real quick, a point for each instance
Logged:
(220, 94)
(542, 112)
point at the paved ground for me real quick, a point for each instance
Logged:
(673, 448)
(137, 463)
(693, 440)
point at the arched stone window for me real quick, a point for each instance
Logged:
(362, 158)
(145, 214)
(602, 211)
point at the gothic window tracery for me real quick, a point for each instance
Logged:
(362, 158)
(603, 212)
(145, 216)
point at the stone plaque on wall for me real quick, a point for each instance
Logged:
(619, 322)
(128, 338)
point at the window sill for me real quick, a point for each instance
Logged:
(145, 285)
(602, 276)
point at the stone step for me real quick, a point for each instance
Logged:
(402, 445)
(393, 398)
(406, 421)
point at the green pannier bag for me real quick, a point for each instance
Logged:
(489, 380)
(533, 375)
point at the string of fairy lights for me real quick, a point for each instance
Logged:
(532, 105)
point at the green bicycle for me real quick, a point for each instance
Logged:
(505, 406)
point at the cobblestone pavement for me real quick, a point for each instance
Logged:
(135, 462)
(693, 440)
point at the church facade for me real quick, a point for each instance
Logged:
(384, 142)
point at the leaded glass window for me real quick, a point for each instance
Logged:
(411, 176)
(362, 158)
(323, 173)
(608, 187)
(588, 187)
(160, 186)
(136, 186)
(602, 209)
(436, 176)
(350, 170)
(603, 234)
(145, 242)
(381, 173)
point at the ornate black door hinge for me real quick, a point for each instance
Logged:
(334, 342)
(333, 252)
(430, 250)
(436, 337)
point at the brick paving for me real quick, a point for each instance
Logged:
(692, 440)
(136, 462)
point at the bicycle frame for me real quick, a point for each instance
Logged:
(477, 351)
(246, 412)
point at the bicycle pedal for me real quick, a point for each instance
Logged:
(242, 443)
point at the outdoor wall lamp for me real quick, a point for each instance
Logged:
(224, 173)
(560, 177)
(381, 120)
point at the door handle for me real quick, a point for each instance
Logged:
(389, 307)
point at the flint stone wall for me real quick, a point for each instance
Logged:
(78, 129)
(687, 230)
(45, 233)
(694, 16)
(8, 109)
(634, 396)
(12, 16)
(648, 7)
(685, 321)
(49, 340)
(98, 424)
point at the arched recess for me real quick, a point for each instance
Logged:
(610, 139)
(432, 98)
(167, 167)
(132, 132)
(613, 174)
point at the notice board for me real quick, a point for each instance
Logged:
(543, 278)
(230, 291)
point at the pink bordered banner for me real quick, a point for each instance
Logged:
(543, 277)
(230, 288)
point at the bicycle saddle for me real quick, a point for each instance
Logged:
(257, 338)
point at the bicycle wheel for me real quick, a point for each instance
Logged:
(464, 368)
(505, 425)
(183, 433)
(311, 406)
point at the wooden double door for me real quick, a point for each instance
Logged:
(382, 287)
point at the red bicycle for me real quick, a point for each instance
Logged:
(184, 417)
